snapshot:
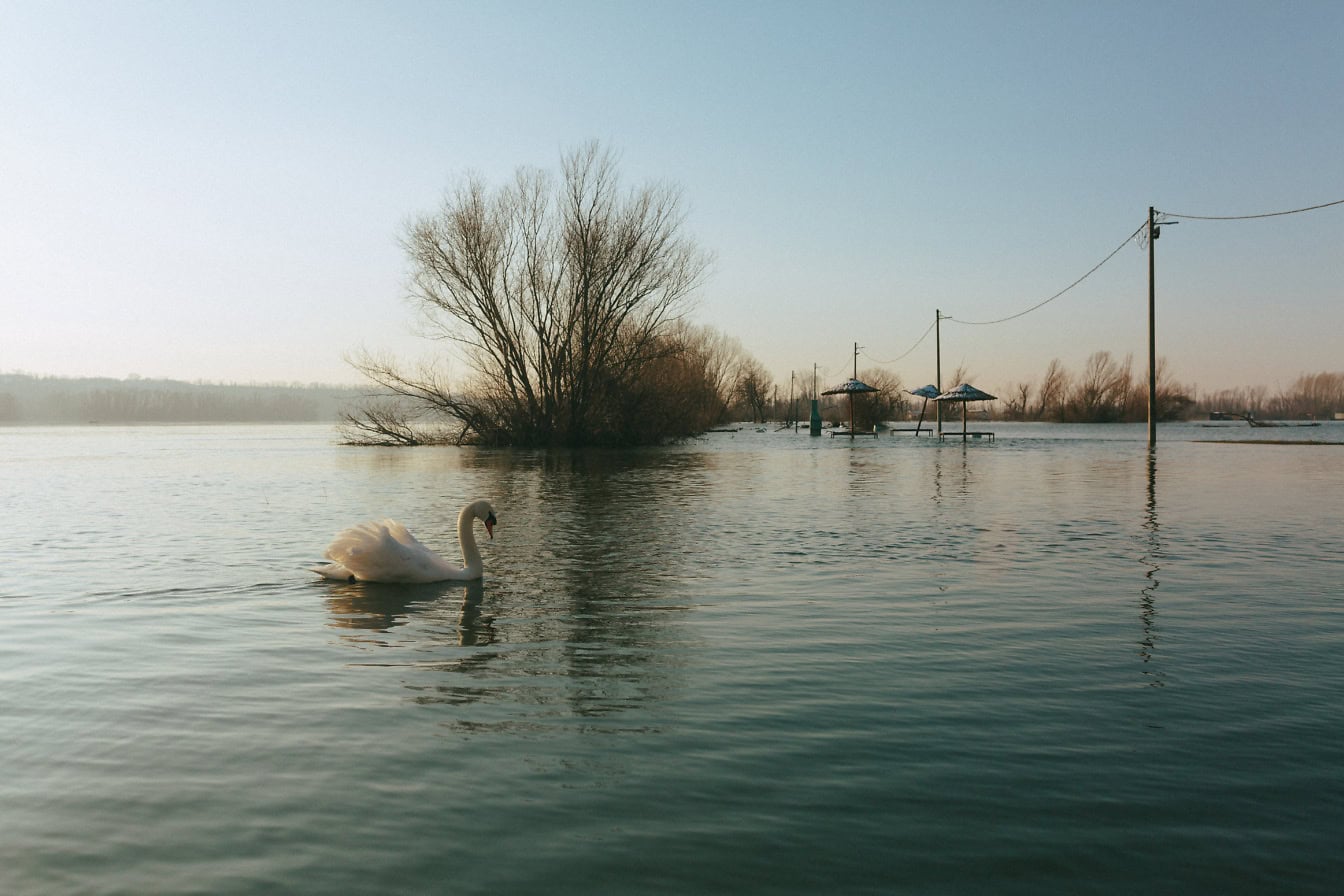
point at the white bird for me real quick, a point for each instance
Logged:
(386, 551)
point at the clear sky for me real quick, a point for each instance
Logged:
(205, 190)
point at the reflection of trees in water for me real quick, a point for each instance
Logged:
(587, 571)
(615, 530)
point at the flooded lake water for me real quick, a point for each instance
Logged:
(755, 663)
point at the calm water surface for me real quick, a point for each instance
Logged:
(759, 662)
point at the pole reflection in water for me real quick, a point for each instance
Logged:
(960, 466)
(1151, 559)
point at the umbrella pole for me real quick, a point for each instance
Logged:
(963, 420)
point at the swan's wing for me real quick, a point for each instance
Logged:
(385, 551)
(403, 535)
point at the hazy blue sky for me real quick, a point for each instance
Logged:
(216, 190)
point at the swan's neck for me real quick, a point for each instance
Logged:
(466, 537)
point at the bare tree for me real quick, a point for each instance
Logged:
(1173, 399)
(1054, 388)
(558, 295)
(1017, 401)
(689, 388)
(718, 356)
(383, 421)
(1315, 395)
(960, 375)
(888, 403)
(753, 387)
(1101, 394)
(406, 398)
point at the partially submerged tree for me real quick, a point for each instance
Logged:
(888, 403)
(1106, 392)
(1016, 401)
(1054, 388)
(386, 421)
(1102, 394)
(562, 299)
(752, 389)
(718, 357)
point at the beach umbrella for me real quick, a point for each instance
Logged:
(965, 393)
(851, 388)
(924, 392)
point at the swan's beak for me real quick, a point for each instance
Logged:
(490, 525)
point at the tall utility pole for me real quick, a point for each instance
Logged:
(793, 403)
(1153, 231)
(938, 363)
(814, 422)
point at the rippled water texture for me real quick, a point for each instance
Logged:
(759, 662)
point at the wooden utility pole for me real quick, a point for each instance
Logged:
(793, 404)
(938, 363)
(814, 422)
(1153, 232)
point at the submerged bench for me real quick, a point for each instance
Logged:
(970, 434)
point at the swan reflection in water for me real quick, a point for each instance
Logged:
(581, 630)
(374, 607)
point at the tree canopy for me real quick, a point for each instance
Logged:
(563, 297)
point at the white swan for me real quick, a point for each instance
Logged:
(387, 552)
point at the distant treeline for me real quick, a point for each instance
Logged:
(1109, 391)
(1106, 391)
(28, 399)
(1312, 396)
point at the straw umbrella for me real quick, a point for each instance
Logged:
(965, 393)
(924, 392)
(851, 388)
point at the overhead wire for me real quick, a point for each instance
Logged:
(1139, 232)
(907, 352)
(1291, 211)
(1045, 302)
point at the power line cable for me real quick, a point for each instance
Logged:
(1139, 232)
(1292, 211)
(1095, 268)
(825, 369)
(901, 357)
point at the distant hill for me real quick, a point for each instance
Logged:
(28, 399)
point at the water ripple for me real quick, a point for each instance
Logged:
(787, 666)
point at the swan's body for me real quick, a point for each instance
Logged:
(386, 551)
